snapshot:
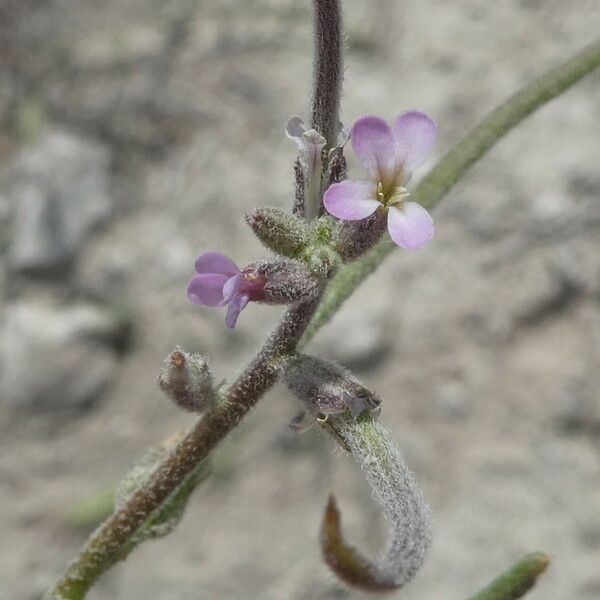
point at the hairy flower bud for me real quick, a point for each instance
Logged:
(278, 230)
(187, 380)
(357, 237)
(220, 282)
(327, 388)
(283, 281)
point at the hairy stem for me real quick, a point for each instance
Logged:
(453, 166)
(327, 86)
(327, 70)
(517, 581)
(106, 545)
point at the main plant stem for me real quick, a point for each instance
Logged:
(105, 546)
(325, 110)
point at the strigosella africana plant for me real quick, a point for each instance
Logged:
(334, 235)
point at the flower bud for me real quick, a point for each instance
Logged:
(187, 380)
(283, 281)
(278, 230)
(357, 237)
(327, 388)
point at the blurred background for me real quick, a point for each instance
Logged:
(133, 135)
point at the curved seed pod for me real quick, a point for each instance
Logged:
(401, 500)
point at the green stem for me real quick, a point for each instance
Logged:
(452, 167)
(517, 581)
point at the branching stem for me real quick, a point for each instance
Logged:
(105, 546)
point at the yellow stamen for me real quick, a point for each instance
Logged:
(380, 195)
(398, 195)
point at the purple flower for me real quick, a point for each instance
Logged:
(219, 282)
(390, 155)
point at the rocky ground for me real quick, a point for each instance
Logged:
(134, 133)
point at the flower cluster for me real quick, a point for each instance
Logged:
(310, 246)
(389, 154)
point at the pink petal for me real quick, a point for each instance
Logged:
(215, 262)
(414, 134)
(411, 227)
(373, 144)
(234, 286)
(206, 289)
(351, 200)
(235, 307)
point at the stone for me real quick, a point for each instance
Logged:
(59, 191)
(55, 357)
(356, 338)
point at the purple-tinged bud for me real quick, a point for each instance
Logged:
(279, 230)
(187, 380)
(327, 388)
(357, 237)
(219, 282)
(282, 281)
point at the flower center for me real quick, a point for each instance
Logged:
(390, 197)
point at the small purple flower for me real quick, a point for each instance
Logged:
(219, 282)
(390, 155)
